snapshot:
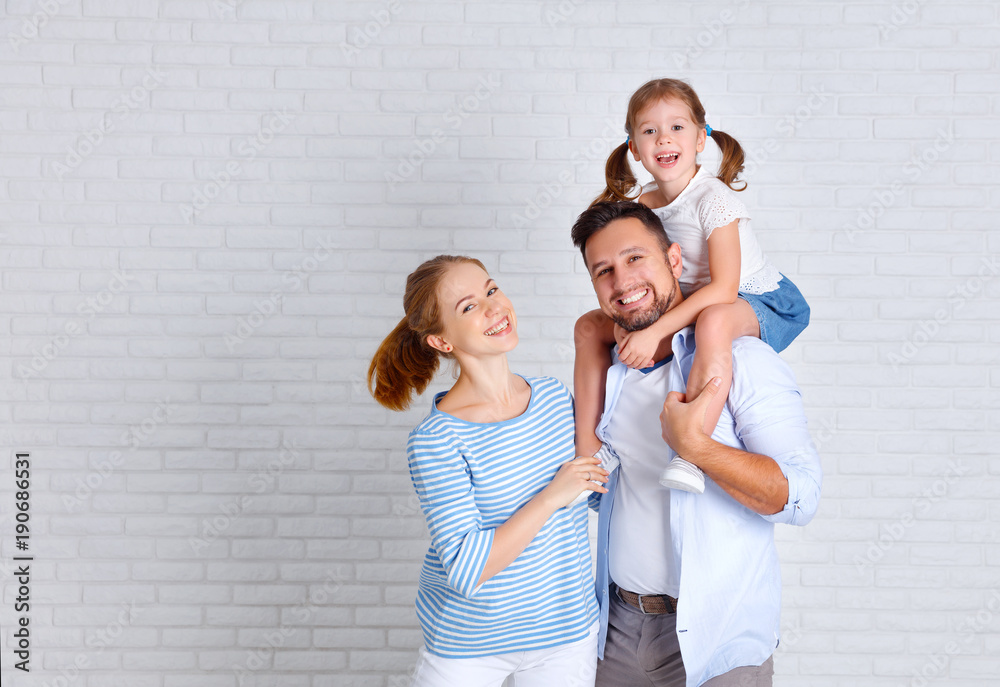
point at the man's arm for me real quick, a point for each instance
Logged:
(779, 474)
(754, 480)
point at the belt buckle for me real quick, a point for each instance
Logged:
(643, 610)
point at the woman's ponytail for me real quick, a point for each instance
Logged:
(404, 362)
(732, 159)
(618, 176)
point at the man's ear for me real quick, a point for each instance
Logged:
(439, 344)
(674, 259)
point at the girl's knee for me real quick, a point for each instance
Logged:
(714, 322)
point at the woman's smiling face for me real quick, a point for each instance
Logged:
(477, 319)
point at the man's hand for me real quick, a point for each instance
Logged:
(682, 422)
(636, 349)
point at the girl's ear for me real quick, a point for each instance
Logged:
(438, 344)
(702, 139)
(635, 153)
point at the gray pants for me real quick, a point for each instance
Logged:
(643, 650)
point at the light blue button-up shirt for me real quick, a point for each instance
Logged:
(730, 582)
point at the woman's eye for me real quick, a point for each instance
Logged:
(493, 291)
(467, 308)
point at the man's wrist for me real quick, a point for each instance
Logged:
(696, 448)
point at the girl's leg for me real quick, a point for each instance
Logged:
(594, 335)
(716, 328)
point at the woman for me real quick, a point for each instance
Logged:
(506, 588)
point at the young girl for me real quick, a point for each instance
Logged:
(506, 587)
(730, 287)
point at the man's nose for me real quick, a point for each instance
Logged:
(621, 281)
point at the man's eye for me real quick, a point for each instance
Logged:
(634, 258)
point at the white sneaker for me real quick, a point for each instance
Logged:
(680, 474)
(609, 461)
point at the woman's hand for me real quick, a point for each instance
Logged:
(573, 478)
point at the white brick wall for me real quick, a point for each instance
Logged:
(201, 250)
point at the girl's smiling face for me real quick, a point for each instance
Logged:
(667, 140)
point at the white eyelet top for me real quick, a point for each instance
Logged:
(703, 206)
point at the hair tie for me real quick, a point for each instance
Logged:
(627, 139)
(708, 130)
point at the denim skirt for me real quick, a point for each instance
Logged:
(782, 313)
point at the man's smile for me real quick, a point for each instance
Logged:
(633, 298)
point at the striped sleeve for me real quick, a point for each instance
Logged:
(441, 478)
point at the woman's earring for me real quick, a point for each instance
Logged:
(447, 348)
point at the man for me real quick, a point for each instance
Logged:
(689, 584)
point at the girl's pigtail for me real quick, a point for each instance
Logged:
(403, 364)
(732, 159)
(618, 176)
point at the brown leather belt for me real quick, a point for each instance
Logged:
(649, 603)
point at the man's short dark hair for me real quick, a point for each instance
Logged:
(600, 215)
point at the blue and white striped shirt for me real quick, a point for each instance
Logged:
(471, 478)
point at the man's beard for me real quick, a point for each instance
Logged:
(633, 321)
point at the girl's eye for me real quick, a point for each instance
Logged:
(677, 127)
(648, 131)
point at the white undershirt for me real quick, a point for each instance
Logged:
(642, 559)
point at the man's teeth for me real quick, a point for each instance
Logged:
(632, 299)
(499, 328)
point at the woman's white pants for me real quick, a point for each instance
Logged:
(569, 665)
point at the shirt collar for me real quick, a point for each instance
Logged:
(682, 345)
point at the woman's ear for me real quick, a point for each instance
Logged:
(439, 344)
